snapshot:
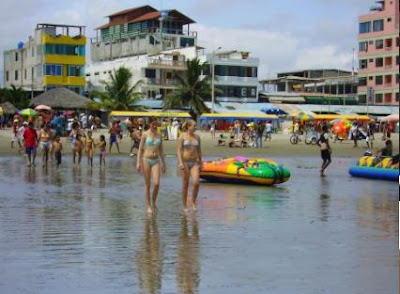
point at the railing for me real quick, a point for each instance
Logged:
(388, 48)
(388, 66)
(168, 63)
(162, 82)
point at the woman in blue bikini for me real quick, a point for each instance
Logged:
(189, 160)
(151, 160)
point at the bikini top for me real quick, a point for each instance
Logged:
(44, 135)
(188, 143)
(153, 141)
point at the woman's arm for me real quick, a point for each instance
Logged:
(140, 152)
(179, 152)
(162, 155)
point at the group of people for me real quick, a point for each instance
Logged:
(150, 157)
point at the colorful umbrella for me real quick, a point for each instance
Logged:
(28, 112)
(300, 115)
(42, 107)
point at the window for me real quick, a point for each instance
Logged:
(53, 70)
(16, 56)
(397, 96)
(76, 71)
(362, 81)
(389, 19)
(371, 78)
(378, 25)
(378, 80)
(363, 63)
(362, 99)
(363, 46)
(379, 44)
(378, 98)
(398, 42)
(16, 75)
(379, 62)
(7, 76)
(365, 27)
(397, 78)
(397, 60)
(150, 73)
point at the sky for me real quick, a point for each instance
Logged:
(285, 34)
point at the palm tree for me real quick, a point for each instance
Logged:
(17, 97)
(118, 95)
(192, 91)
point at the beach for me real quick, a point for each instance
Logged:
(278, 146)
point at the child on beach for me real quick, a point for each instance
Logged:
(89, 148)
(78, 147)
(102, 148)
(57, 149)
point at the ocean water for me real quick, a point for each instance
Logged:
(82, 230)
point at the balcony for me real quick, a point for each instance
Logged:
(162, 83)
(167, 64)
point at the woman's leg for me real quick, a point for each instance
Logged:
(147, 181)
(79, 156)
(185, 187)
(74, 156)
(195, 175)
(155, 173)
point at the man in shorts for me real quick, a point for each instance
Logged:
(31, 142)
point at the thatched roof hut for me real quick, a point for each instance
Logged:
(61, 98)
(8, 108)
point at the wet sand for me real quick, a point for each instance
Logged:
(82, 230)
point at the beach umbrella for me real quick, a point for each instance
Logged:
(43, 107)
(392, 117)
(1, 111)
(301, 115)
(28, 112)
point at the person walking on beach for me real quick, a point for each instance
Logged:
(190, 161)
(259, 133)
(45, 143)
(89, 144)
(113, 136)
(78, 149)
(323, 143)
(212, 129)
(57, 149)
(20, 136)
(102, 150)
(135, 137)
(268, 129)
(31, 142)
(151, 161)
(14, 132)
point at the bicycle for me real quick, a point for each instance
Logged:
(311, 138)
(294, 138)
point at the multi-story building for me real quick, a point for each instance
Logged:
(142, 30)
(54, 57)
(236, 75)
(313, 86)
(155, 44)
(379, 54)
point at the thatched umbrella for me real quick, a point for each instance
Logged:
(61, 98)
(8, 108)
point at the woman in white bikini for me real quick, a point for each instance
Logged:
(151, 160)
(45, 137)
(190, 160)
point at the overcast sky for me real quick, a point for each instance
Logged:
(285, 34)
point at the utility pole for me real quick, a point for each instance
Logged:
(213, 80)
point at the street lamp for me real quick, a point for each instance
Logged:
(213, 80)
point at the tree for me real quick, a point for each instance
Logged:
(192, 90)
(119, 94)
(18, 97)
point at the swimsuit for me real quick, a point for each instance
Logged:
(190, 164)
(152, 162)
(188, 144)
(150, 142)
(89, 144)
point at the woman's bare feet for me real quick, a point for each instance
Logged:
(149, 210)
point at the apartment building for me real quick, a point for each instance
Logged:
(379, 54)
(53, 57)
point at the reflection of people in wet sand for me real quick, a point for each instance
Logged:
(148, 259)
(189, 160)
(188, 266)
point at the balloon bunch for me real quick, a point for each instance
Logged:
(341, 128)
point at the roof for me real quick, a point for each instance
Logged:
(61, 98)
(130, 10)
(239, 115)
(148, 114)
(343, 116)
(8, 108)
(147, 16)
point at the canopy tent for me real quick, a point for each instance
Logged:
(392, 117)
(342, 116)
(61, 98)
(240, 116)
(148, 114)
(271, 109)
